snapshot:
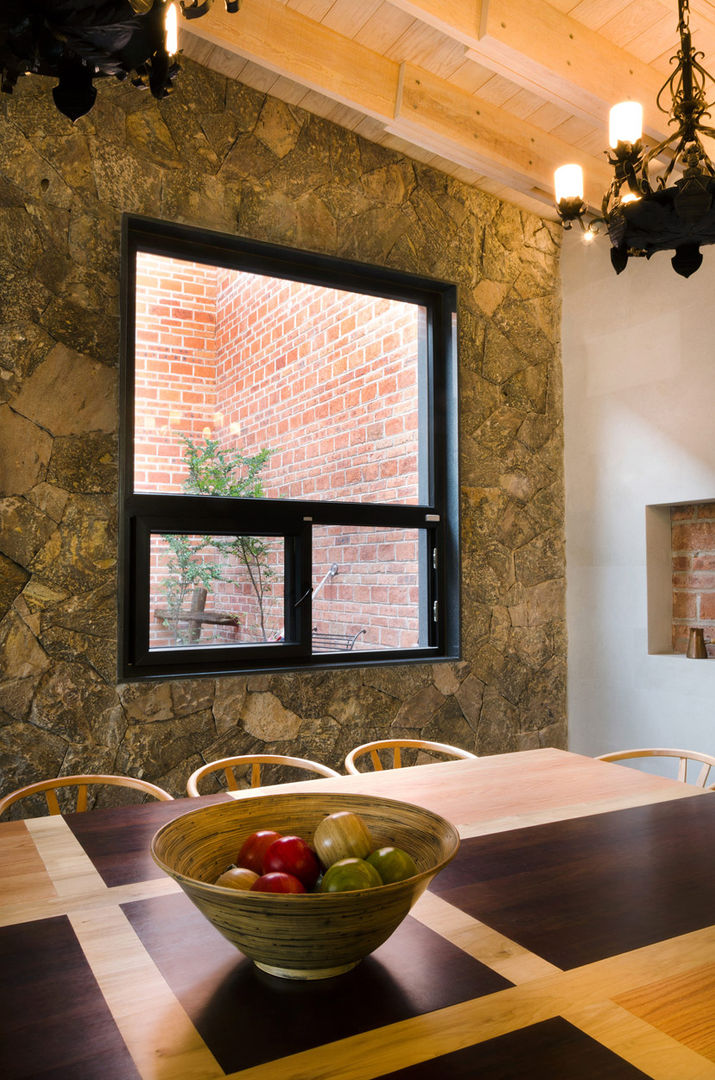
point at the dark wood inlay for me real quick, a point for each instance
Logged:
(54, 1021)
(246, 1017)
(118, 840)
(552, 1050)
(580, 890)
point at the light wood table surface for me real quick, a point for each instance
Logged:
(573, 936)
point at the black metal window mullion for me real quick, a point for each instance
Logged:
(435, 520)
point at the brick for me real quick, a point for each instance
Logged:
(707, 607)
(683, 513)
(684, 605)
(693, 537)
(702, 581)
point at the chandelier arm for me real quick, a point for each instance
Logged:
(656, 151)
(676, 211)
(672, 83)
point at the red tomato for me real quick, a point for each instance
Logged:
(275, 882)
(254, 849)
(291, 855)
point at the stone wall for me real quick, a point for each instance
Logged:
(219, 155)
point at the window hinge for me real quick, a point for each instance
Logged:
(434, 558)
(435, 610)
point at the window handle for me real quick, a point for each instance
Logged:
(331, 573)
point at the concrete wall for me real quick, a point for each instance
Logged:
(639, 402)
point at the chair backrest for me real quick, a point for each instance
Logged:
(228, 766)
(82, 782)
(706, 761)
(396, 746)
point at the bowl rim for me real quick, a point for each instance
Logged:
(268, 897)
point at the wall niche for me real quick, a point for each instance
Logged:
(692, 533)
(681, 575)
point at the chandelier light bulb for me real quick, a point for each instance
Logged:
(171, 30)
(568, 182)
(625, 123)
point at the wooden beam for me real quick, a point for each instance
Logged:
(538, 47)
(278, 38)
(485, 136)
(411, 103)
(458, 19)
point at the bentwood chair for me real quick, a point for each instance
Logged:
(394, 748)
(81, 782)
(254, 762)
(706, 761)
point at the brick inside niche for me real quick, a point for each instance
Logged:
(692, 529)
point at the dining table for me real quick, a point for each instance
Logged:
(572, 937)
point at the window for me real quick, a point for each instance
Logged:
(289, 447)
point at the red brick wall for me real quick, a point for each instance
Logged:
(175, 358)
(376, 585)
(327, 381)
(693, 547)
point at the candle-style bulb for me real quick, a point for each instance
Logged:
(625, 123)
(171, 30)
(568, 182)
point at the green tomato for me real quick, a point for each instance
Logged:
(392, 864)
(348, 874)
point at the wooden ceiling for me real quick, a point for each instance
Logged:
(498, 92)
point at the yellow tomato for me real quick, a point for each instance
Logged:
(237, 877)
(342, 835)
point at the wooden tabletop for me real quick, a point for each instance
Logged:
(571, 937)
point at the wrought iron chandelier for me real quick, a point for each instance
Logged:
(77, 41)
(643, 215)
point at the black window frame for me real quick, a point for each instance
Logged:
(437, 518)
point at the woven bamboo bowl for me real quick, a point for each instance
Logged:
(313, 935)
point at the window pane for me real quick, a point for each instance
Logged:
(323, 380)
(365, 588)
(215, 590)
